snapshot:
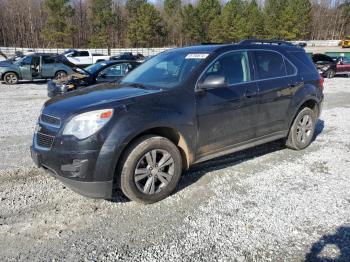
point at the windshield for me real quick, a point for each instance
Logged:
(95, 68)
(165, 70)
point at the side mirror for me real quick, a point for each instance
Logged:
(102, 75)
(211, 82)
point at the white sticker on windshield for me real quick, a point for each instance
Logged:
(196, 56)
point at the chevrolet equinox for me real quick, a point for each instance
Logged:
(181, 107)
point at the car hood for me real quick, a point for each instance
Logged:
(67, 79)
(7, 65)
(94, 97)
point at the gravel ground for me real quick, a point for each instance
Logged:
(264, 204)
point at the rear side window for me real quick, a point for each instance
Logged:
(48, 60)
(233, 66)
(269, 64)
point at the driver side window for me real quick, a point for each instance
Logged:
(27, 61)
(234, 67)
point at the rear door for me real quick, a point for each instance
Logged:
(227, 115)
(277, 81)
(48, 66)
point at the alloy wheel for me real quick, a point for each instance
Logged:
(304, 128)
(154, 171)
(11, 78)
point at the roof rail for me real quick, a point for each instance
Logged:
(264, 42)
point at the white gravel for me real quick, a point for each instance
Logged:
(264, 204)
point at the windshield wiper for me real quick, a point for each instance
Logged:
(137, 85)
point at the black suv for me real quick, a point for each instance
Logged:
(181, 107)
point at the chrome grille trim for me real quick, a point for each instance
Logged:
(50, 120)
(44, 141)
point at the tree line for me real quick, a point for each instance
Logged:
(141, 23)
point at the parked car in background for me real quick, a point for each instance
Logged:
(128, 56)
(346, 42)
(325, 65)
(183, 106)
(84, 58)
(343, 65)
(101, 72)
(35, 66)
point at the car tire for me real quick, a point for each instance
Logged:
(330, 74)
(302, 130)
(60, 74)
(150, 169)
(11, 78)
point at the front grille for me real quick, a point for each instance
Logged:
(43, 140)
(51, 120)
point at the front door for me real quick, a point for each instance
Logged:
(226, 114)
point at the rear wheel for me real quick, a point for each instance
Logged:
(302, 130)
(60, 74)
(11, 78)
(150, 169)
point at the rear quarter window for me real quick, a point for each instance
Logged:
(270, 64)
(303, 60)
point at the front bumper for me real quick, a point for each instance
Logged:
(73, 170)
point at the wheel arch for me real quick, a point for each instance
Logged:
(170, 133)
(61, 70)
(309, 102)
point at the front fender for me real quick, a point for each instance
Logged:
(136, 119)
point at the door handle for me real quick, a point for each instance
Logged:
(250, 94)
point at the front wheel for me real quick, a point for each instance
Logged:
(302, 130)
(11, 78)
(330, 74)
(150, 169)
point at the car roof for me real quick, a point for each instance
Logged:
(109, 62)
(210, 48)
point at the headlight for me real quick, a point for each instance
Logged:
(86, 124)
(62, 88)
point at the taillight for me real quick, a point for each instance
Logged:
(321, 82)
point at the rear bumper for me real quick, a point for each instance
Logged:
(73, 174)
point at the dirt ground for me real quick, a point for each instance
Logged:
(268, 203)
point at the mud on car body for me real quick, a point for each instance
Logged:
(182, 107)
